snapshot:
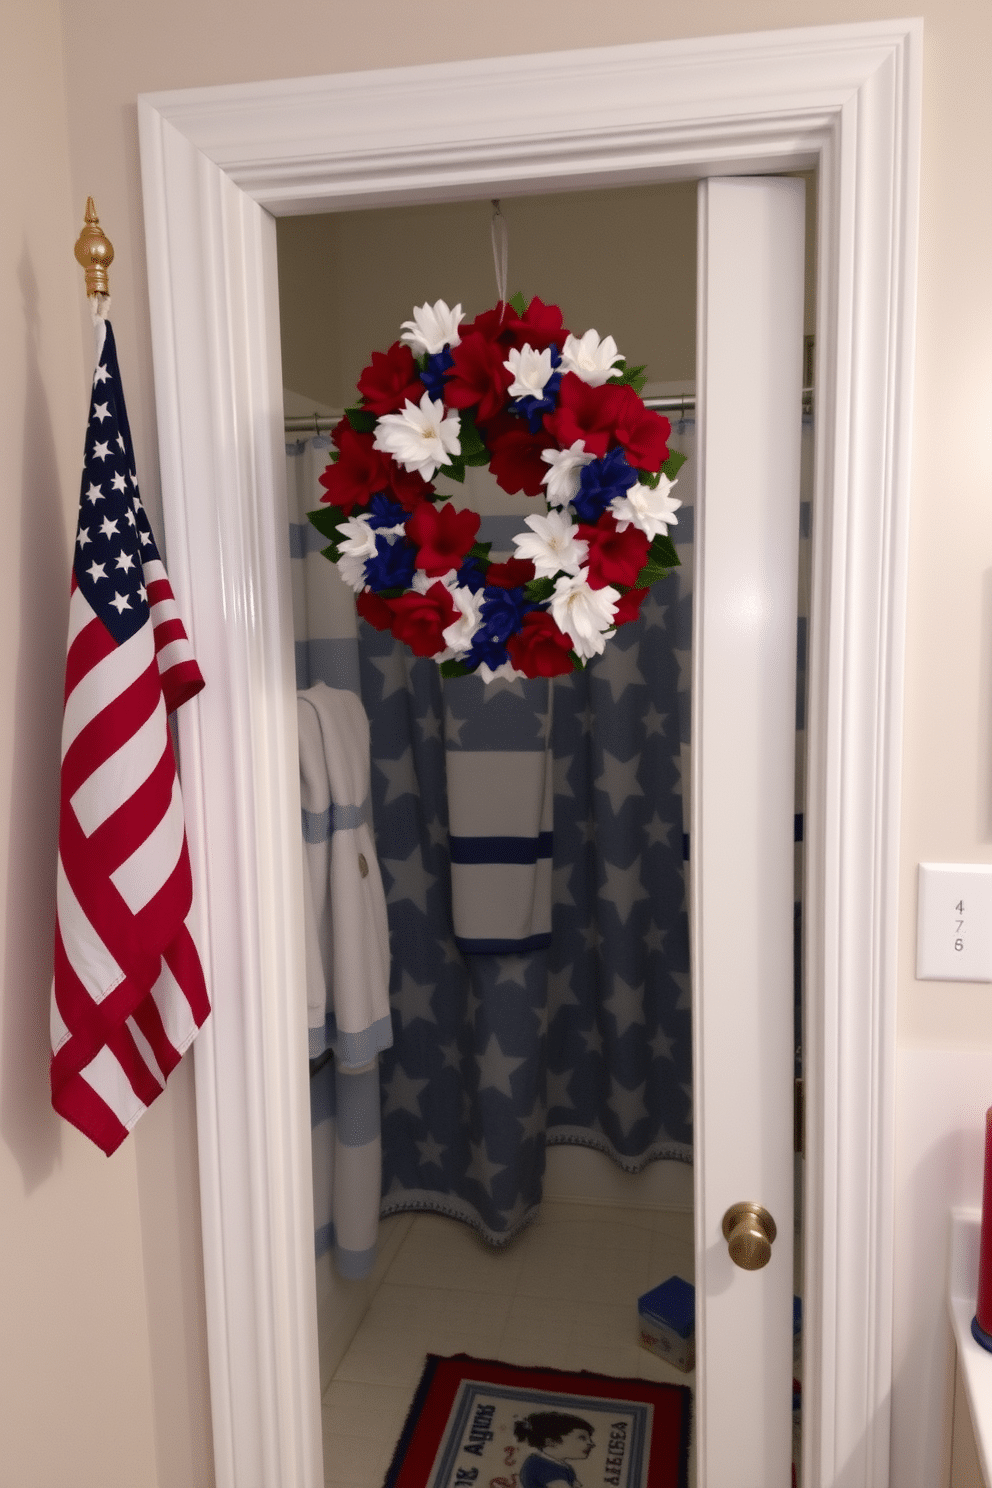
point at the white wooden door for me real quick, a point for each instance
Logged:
(749, 370)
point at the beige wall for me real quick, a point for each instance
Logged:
(623, 261)
(75, 1381)
(85, 1239)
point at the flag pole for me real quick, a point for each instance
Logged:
(94, 252)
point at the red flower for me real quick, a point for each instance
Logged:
(629, 606)
(362, 471)
(614, 557)
(584, 412)
(390, 380)
(511, 574)
(609, 415)
(408, 486)
(539, 648)
(515, 458)
(478, 377)
(419, 620)
(374, 609)
(539, 326)
(642, 434)
(443, 535)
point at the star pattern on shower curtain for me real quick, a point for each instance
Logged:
(588, 1043)
(495, 1057)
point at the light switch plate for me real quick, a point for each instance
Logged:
(954, 928)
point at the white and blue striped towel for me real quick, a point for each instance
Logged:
(345, 907)
(500, 814)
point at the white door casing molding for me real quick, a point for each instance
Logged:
(216, 162)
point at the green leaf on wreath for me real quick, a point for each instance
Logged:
(480, 457)
(634, 377)
(470, 438)
(455, 669)
(332, 553)
(539, 589)
(650, 574)
(480, 550)
(518, 303)
(662, 552)
(455, 470)
(361, 420)
(672, 466)
(577, 661)
(327, 519)
(650, 478)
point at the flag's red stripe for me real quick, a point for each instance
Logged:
(159, 590)
(120, 1042)
(89, 1113)
(123, 832)
(80, 1014)
(167, 631)
(184, 963)
(106, 910)
(157, 921)
(88, 1021)
(109, 730)
(149, 1020)
(92, 644)
(180, 683)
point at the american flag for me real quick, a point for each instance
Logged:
(128, 994)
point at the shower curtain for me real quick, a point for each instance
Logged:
(495, 1057)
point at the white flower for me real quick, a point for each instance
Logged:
(653, 511)
(531, 370)
(506, 670)
(564, 477)
(552, 545)
(584, 614)
(459, 633)
(420, 439)
(432, 328)
(358, 545)
(422, 581)
(591, 359)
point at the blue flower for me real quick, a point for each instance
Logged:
(600, 482)
(533, 408)
(471, 576)
(385, 512)
(393, 565)
(433, 374)
(502, 615)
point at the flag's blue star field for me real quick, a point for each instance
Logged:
(113, 538)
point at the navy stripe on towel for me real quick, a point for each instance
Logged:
(503, 947)
(501, 849)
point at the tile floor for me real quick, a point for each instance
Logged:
(563, 1294)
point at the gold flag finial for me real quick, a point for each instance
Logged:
(94, 252)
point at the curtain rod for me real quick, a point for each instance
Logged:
(677, 403)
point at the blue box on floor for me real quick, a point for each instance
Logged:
(668, 1322)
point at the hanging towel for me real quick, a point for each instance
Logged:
(500, 814)
(344, 906)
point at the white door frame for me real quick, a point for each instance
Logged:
(216, 162)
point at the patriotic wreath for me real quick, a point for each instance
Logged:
(551, 415)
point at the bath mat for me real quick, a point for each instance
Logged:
(475, 1423)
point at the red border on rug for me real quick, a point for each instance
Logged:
(439, 1391)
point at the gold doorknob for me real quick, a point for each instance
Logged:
(749, 1231)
